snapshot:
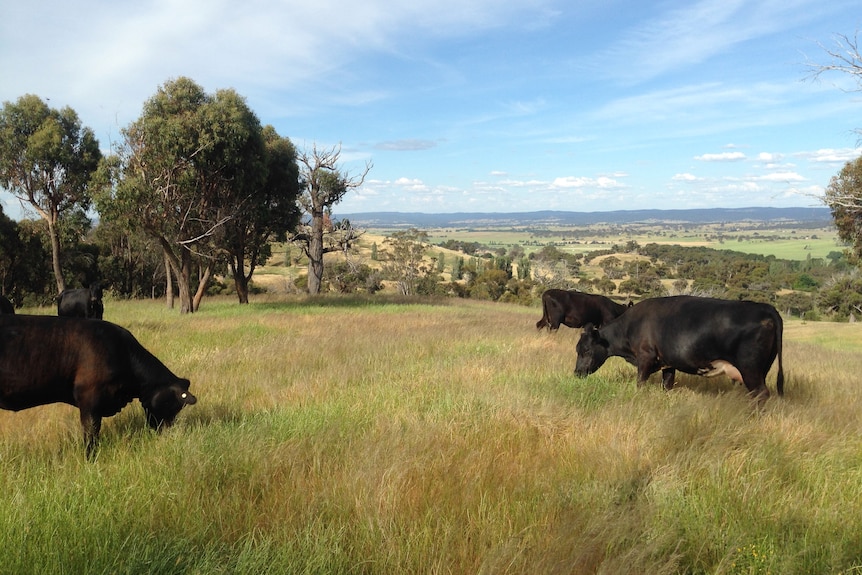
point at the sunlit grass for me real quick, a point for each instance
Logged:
(437, 436)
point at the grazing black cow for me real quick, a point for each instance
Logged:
(94, 365)
(576, 309)
(701, 336)
(83, 302)
(6, 306)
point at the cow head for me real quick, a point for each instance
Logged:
(592, 351)
(162, 408)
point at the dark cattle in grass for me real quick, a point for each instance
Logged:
(84, 302)
(93, 365)
(576, 309)
(701, 336)
(6, 306)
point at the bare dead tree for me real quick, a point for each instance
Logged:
(325, 185)
(844, 57)
(844, 193)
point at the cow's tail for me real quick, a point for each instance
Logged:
(779, 379)
(545, 317)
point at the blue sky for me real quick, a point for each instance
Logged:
(481, 105)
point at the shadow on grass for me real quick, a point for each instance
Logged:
(705, 385)
(715, 386)
(131, 422)
(598, 389)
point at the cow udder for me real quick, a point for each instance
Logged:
(719, 367)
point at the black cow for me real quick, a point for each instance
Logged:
(83, 302)
(701, 336)
(576, 309)
(94, 365)
(6, 306)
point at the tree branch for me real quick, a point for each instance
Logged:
(211, 231)
(845, 58)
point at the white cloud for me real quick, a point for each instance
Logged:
(411, 184)
(686, 178)
(781, 177)
(722, 157)
(768, 157)
(602, 182)
(827, 155)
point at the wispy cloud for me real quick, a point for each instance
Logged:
(692, 34)
(410, 145)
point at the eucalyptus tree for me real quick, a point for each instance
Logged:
(844, 197)
(46, 161)
(10, 252)
(130, 260)
(191, 172)
(154, 180)
(324, 185)
(265, 210)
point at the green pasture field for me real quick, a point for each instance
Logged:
(782, 242)
(387, 435)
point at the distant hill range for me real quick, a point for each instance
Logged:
(388, 220)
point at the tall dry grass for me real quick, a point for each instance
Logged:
(393, 436)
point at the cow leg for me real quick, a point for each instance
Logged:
(756, 385)
(647, 364)
(667, 376)
(91, 425)
(644, 371)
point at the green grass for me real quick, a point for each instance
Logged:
(437, 436)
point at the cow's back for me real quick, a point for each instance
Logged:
(41, 357)
(687, 313)
(576, 309)
(81, 302)
(686, 328)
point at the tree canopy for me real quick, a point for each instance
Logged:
(46, 161)
(198, 173)
(844, 197)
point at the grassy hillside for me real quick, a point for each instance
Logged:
(388, 436)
